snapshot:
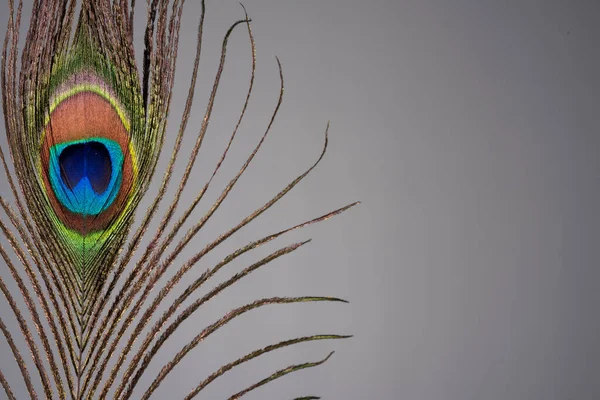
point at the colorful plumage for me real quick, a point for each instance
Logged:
(85, 128)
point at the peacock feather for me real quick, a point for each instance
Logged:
(85, 127)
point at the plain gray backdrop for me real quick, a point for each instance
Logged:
(470, 132)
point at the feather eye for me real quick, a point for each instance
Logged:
(86, 160)
(85, 129)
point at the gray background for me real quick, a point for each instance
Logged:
(469, 130)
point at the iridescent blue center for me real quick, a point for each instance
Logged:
(86, 174)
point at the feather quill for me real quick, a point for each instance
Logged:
(85, 128)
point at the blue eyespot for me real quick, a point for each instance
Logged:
(86, 175)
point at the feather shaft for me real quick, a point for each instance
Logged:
(9, 394)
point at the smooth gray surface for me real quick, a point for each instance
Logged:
(469, 129)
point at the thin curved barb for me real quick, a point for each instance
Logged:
(85, 127)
